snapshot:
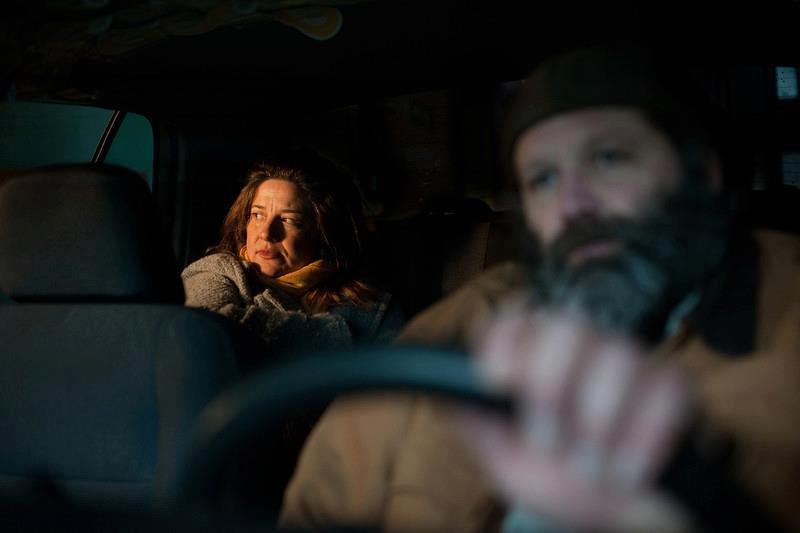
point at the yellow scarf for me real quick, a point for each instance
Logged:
(300, 281)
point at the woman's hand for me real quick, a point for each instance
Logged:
(597, 420)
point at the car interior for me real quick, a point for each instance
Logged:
(128, 129)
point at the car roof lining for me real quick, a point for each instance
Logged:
(384, 47)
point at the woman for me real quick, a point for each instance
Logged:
(285, 265)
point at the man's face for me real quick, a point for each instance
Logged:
(598, 163)
(620, 236)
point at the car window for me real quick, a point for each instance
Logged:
(132, 147)
(36, 133)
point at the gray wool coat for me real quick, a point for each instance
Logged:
(220, 283)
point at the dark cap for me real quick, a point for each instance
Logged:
(605, 76)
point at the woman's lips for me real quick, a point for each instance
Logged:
(267, 255)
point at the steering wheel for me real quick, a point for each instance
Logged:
(242, 413)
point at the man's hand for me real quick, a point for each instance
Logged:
(597, 420)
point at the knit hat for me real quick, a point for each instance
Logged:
(606, 76)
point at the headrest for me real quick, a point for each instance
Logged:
(82, 233)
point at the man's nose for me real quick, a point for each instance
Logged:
(577, 197)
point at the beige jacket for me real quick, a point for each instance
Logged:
(394, 461)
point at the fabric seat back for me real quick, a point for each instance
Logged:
(101, 378)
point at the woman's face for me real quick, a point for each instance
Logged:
(281, 234)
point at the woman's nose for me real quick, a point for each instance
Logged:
(273, 230)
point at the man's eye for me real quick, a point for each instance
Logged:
(610, 157)
(541, 180)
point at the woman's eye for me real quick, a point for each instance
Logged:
(290, 221)
(255, 215)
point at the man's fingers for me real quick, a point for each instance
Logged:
(597, 419)
(661, 411)
(605, 388)
(536, 479)
(549, 380)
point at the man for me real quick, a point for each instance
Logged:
(653, 316)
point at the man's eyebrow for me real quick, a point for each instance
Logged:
(536, 164)
(613, 133)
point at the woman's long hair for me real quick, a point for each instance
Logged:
(336, 206)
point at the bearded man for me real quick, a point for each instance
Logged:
(645, 316)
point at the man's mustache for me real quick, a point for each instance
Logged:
(588, 230)
(665, 236)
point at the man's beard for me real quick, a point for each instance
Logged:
(656, 263)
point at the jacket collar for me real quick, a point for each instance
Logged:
(726, 315)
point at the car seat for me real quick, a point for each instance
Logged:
(104, 370)
(426, 257)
